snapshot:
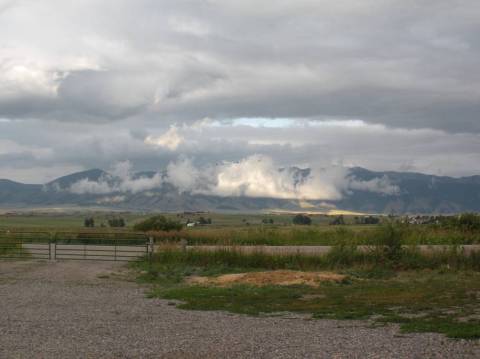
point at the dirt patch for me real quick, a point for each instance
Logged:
(281, 277)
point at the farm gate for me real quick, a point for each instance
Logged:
(75, 246)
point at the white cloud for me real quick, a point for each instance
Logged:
(254, 176)
(184, 175)
(379, 185)
(259, 176)
(170, 139)
(121, 179)
(85, 186)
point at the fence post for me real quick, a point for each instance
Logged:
(183, 244)
(150, 250)
(52, 241)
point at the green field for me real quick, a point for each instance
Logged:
(59, 221)
(436, 293)
(240, 229)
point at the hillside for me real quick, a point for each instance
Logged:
(417, 193)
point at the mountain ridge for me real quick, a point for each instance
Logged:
(417, 193)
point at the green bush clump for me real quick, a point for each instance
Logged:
(301, 219)
(158, 223)
(465, 222)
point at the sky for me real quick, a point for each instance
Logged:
(385, 85)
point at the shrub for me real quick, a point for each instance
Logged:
(116, 222)
(89, 222)
(158, 223)
(390, 239)
(302, 220)
(338, 221)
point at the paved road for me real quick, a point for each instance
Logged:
(312, 250)
(81, 310)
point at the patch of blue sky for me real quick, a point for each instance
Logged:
(258, 122)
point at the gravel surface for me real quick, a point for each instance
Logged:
(90, 310)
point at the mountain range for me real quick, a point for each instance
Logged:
(417, 194)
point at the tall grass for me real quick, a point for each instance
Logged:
(339, 258)
(318, 235)
(10, 248)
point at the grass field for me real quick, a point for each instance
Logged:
(239, 229)
(56, 220)
(423, 293)
(315, 235)
(61, 221)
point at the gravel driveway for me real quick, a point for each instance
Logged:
(81, 310)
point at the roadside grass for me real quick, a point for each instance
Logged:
(423, 293)
(11, 249)
(317, 235)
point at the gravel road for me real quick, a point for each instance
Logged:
(90, 310)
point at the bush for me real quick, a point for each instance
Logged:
(116, 222)
(204, 221)
(89, 222)
(390, 238)
(466, 222)
(158, 223)
(337, 221)
(302, 220)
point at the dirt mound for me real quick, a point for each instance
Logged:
(280, 277)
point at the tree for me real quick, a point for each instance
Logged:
(367, 220)
(371, 220)
(338, 221)
(158, 223)
(301, 219)
(116, 222)
(89, 222)
(202, 220)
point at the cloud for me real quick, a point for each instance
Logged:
(254, 176)
(120, 180)
(259, 176)
(382, 62)
(319, 84)
(85, 186)
(170, 139)
(378, 185)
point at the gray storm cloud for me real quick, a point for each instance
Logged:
(404, 64)
(385, 85)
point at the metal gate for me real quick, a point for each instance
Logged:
(115, 250)
(76, 246)
(19, 249)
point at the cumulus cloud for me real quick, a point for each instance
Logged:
(254, 176)
(379, 185)
(85, 185)
(170, 139)
(121, 179)
(259, 176)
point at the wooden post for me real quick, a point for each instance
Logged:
(183, 244)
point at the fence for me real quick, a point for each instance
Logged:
(75, 246)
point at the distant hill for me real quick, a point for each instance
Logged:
(67, 181)
(417, 193)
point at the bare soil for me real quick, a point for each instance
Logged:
(278, 277)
